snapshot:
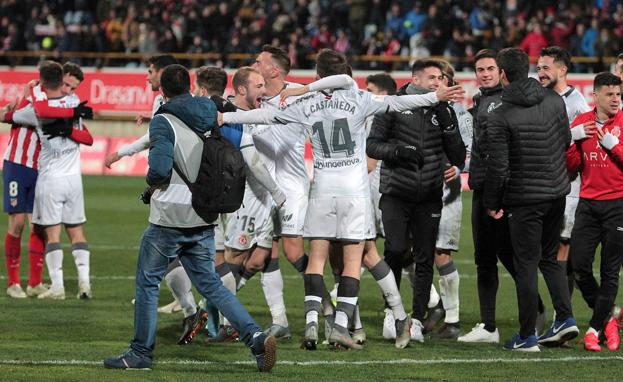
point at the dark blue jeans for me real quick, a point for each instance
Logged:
(195, 247)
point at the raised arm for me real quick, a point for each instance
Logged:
(257, 116)
(339, 81)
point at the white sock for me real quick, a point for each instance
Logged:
(311, 316)
(433, 300)
(449, 288)
(341, 319)
(54, 261)
(392, 295)
(272, 284)
(357, 318)
(592, 330)
(229, 281)
(181, 287)
(82, 259)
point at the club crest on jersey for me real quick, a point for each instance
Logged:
(243, 239)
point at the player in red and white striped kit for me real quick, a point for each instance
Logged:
(20, 177)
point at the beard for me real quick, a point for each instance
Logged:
(552, 83)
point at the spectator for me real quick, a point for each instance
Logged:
(534, 42)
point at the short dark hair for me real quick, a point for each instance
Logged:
(485, 53)
(383, 81)
(241, 77)
(514, 62)
(420, 65)
(558, 54)
(330, 62)
(175, 80)
(606, 79)
(161, 61)
(213, 79)
(51, 74)
(73, 69)
(620, 56)
(280, 56)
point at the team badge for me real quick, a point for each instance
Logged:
(13, 202)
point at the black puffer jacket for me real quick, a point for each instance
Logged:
(484, 104)
(527, 138)
(419, 127)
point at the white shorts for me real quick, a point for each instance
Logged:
(59, 200)
(337, 218)
(219, 232)
(371, 231)
(570, 206)
(290, 218)
(451, 214)
(252, 224)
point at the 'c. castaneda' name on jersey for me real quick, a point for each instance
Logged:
(330, 104)
(319, 164)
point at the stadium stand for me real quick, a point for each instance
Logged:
(455, 29)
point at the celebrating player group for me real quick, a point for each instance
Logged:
(546, 172)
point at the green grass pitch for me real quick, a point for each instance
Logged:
(67, 340)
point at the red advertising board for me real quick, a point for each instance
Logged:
(116, 91)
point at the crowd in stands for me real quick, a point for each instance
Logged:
(356, 27)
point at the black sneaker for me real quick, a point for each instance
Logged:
(226, 333)
(128, 360)
(191, 325)
(264, 349)
(434, 315)
(449, 331)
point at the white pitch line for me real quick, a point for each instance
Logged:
(74, 362)
(285, 277)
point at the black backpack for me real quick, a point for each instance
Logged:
(220, 183)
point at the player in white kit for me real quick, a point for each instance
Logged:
(552, 68)
(337, 209)
(59, 197)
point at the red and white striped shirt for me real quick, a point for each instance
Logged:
(24, 145)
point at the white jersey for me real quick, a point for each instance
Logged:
(253, 184)
(59, 156)
(466, 129)
(288, 149)
(574, 102)
(336, 124)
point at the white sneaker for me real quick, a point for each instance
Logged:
(84, 292)
(53, 294)
(416, 330)
(173, 307)
(36, 290)
(480, 334)
(15, 291)
(389, 325)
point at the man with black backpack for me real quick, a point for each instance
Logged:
(179, 228)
